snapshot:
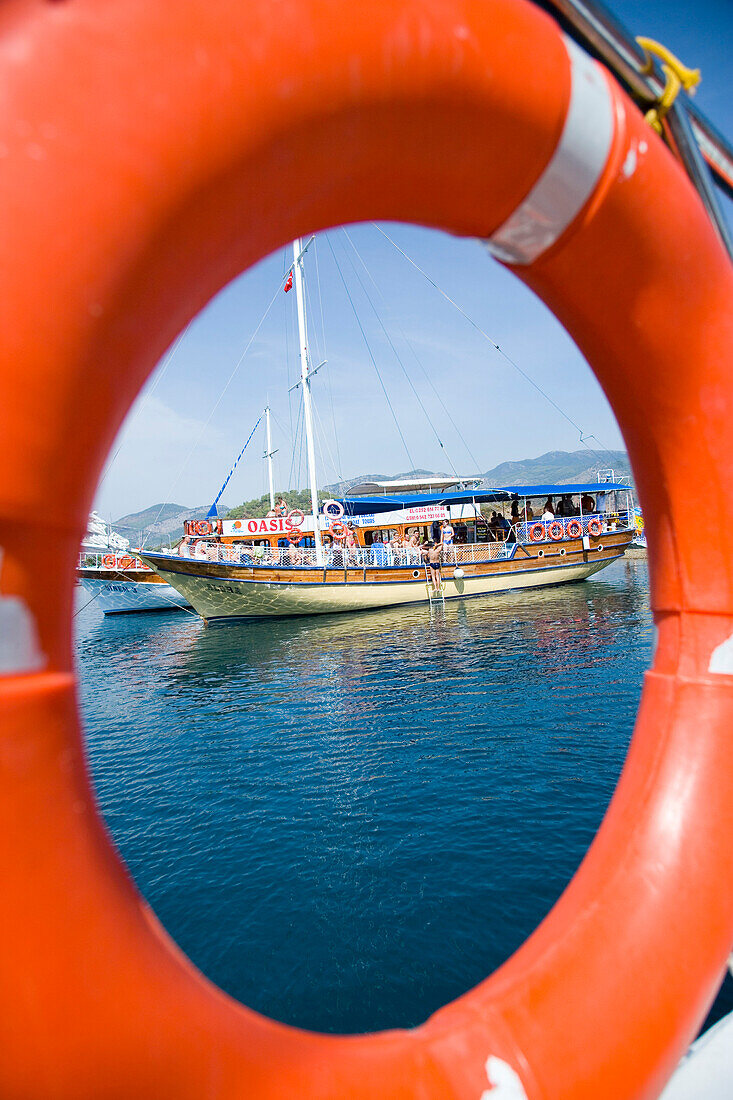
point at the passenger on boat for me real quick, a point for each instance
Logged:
(503, 527)
(548, 513)
(435, 530)
(184, 548)
(446, 538)
(338, 556)
(281, 508)
(587, 503)
(493, 526)
(413, 548)
(293, 554)
(435, 553)
(352, 544)
(529, 511)
(377, 552)
(566, 508)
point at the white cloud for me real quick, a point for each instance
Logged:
(159, 455)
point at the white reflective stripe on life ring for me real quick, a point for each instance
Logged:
(571, 176)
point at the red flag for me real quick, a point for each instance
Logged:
(289, 281)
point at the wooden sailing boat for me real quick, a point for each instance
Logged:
(279, 566)
(117, 579)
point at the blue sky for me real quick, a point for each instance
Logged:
(189, 434)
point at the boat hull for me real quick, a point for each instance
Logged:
(220, 591)
(116, 595)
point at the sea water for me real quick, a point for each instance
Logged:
(347, 821)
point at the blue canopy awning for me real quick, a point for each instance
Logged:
(363, 506)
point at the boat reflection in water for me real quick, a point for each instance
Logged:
(347, 821)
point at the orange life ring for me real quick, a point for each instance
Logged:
(126, 562)
(575, 529)
(556, 531)
(202, 527)
(595, 527)
(537, 532)
(109, 561)
(337, 530)
(291, 522)
(488, 95)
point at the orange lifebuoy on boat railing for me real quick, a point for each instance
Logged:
(537, 532)
(556, 531)
(337, 530)
(595, 527)
(202, 527)
(292, 521)
(477, 117)
(575, 529)
(109, 561)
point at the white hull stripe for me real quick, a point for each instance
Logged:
(572, 174)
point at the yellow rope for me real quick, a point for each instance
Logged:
(676, 74)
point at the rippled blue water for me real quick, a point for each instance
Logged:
(348, 821)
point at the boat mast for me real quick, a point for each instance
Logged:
(268, 455)
(305, 379)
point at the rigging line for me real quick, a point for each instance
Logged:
(299, 474)
(318, 436)
(288, 435)
(325, 356)
(374, 362)
(428, 379)
(323, 433)
(493, 343)
(148, 395)
(236, 463)
(218, 401)
(288, 367)
(320, 298)
(85, 605)
(314, 336)
(394, 349)
(295, 447)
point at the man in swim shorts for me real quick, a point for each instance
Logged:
(435, 553)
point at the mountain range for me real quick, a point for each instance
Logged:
(554, 467)
(160, 523)
(164, 522)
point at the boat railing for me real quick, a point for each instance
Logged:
(538, 530)
(348, 557)
(110, 559)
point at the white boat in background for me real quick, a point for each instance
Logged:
(116, 578)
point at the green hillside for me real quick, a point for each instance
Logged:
(260, 506)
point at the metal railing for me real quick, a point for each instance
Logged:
(538, 530)
(347, 557)
(108, 559)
